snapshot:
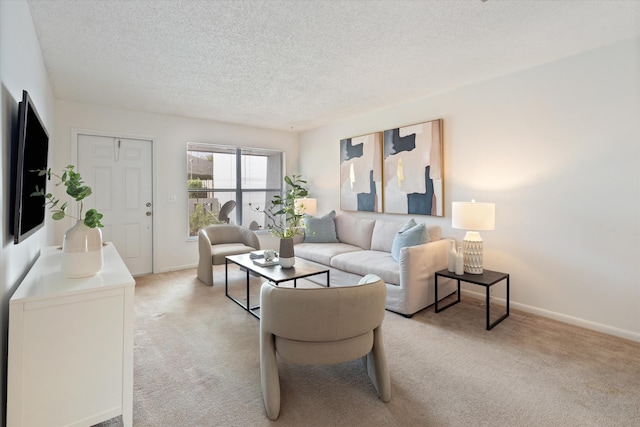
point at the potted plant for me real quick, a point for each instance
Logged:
(284, 219)
(82, 243)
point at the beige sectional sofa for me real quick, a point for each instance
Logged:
(364, 246)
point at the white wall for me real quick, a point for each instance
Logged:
(21, 68)
(170, 135)
(557, 148)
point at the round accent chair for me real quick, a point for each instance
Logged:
(217, 241)
(322, 326)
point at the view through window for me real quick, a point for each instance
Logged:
(227, 184)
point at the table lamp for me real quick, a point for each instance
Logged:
(305, 206)
(473, 217)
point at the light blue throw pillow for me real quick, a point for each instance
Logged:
(320, 230)
(411, 234)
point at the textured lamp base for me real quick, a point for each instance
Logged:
(472, 247)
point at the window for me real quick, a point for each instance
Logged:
(217, 174)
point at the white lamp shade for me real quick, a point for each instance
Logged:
(473, 216)
(305, 206)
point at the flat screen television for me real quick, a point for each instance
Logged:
(31, 154)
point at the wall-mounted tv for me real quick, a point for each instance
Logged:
(31, 154)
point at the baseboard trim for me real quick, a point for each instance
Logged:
(599, 327)
(178, 267)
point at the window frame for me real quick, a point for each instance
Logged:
(237, 190)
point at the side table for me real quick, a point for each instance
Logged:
(487, 279)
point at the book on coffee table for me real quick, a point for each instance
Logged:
(264, 263)
(256, 254)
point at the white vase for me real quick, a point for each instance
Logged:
(81, 251)
(286, 256)
(452, 257)
(460, 262)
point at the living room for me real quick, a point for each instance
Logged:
(554, 145)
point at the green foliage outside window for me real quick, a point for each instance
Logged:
(194, 184)
(199, 219)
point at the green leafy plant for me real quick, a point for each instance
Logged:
(193, 184)
(75, 188)
(284, 220)
(200, 219)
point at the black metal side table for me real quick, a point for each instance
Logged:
(487, 279)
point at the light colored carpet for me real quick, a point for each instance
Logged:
(197, 364)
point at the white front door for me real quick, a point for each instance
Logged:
(119, 171)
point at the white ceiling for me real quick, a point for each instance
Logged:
(296, 64)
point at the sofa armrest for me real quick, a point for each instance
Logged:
(418, 264)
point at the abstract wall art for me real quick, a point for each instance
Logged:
(413, 169)
(361, 173)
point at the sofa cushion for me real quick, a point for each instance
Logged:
(320, 230)
(364, 262)
(322, 252)
(411, 234)
(433, 233)
(383, 234)
(354, 231)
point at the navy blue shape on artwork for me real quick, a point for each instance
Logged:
(421, 203)
(394, 143)
(367, 201)
(348, 151)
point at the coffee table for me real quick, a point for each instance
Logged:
(274, 274)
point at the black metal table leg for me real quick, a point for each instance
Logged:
(438, 310)
(507, 295)
(504, 316)
(488, 305)
(248, 293)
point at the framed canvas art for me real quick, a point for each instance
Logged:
(361, 173)
(413, 169)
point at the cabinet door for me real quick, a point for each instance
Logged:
(73, 358)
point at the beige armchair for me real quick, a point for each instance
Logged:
(322, 326)
(217, 241)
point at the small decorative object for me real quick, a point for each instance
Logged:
(285, 217)
(473, 216)
(82, 244)
(269, 255)
(459, 262)
(452, 257)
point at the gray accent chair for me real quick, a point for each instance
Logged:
(217, 241)
(322, 326)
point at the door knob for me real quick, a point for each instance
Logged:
(148, 213)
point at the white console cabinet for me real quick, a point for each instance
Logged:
(71, 345)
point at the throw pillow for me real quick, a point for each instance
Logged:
(320, 230)
(411, 234)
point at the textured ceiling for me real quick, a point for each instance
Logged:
(296, 64)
